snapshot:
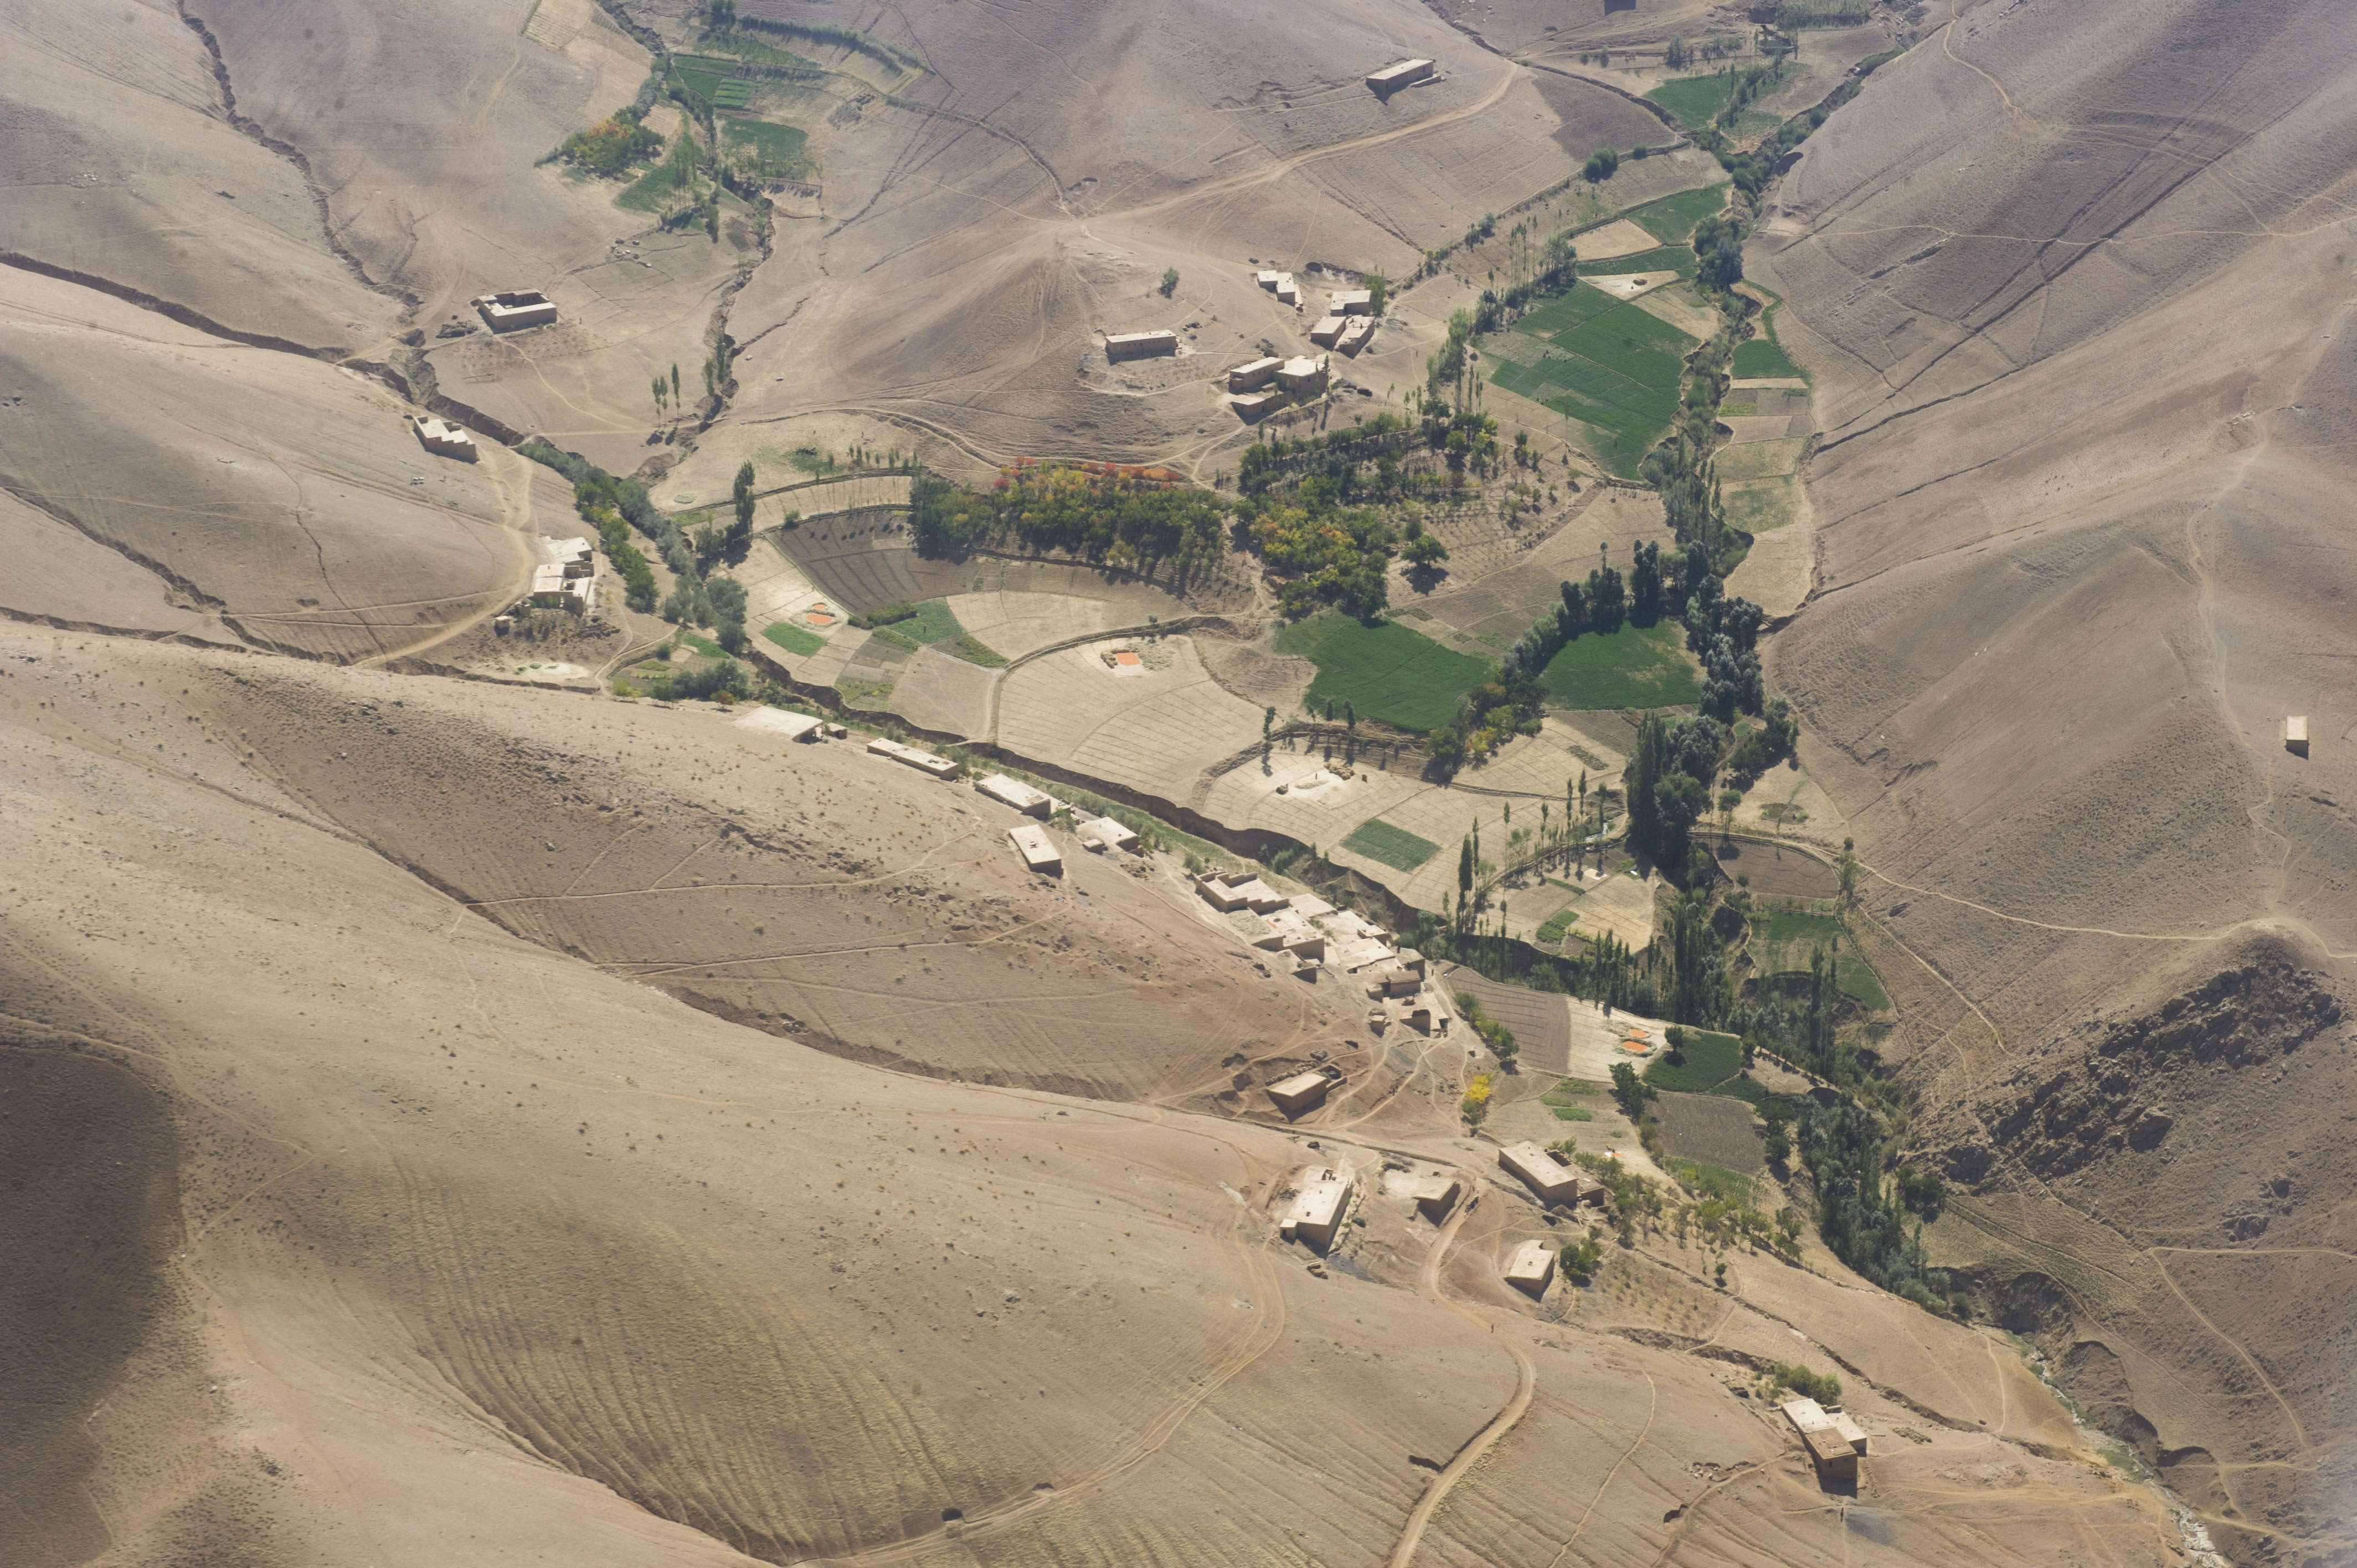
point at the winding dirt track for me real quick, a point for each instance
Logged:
(1525, 1386)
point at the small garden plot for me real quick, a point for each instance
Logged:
(1395, 847)
(1762, 357)
(766, 151)
(1635, 666)
(1558, 926)
(1672, 220)
(1783, 939)
(1565, 1099)
(1386, 672)
(793, 638)
(917, 626)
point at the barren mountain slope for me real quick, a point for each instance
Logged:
(2082, 341)
(122, 165)
(161, 479)
(961, 279)
(367, 1231)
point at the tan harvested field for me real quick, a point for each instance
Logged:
(1616, 239)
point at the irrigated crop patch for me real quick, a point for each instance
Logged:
(1395, 847)
(1604, 363)
(1761, 357)
(1386, 672)
(1783, 939)
(772, 152)
(793, 638)
(1672, 218)
(1635, 666)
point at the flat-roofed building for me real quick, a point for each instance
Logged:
(1103, 834)
(1321, 1196)
(1037, 850)
(1302, 375)
(514, 307)
(1357, 335)
(1328, 327)
(1392, 77)
(1257, 373)
(1351, 302)
(1302, 1091)
(1531, 1268)
(445, 439)
(552, 590)
(923, 761)
(574, 555)
(1287, 291)
(2295, 734)
(1834, 1441)
(778, 721)
(1267, 279)
(1226, 890)
(1139, 345)
(1252, 406)
(1541, 1170)
(1435, 1196)
(1015, 793)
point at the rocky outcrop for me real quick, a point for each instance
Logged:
(2055, 1118)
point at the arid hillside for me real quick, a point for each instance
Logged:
(2083, 362)
(374, 1230)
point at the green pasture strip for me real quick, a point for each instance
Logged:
(1395, 847)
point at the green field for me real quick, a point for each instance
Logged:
(1558, 926)
(674, 179)
(1635, 666)
(1672, 220)
(1760, 357)
(794, 639)
(1695, 99)
(974, 651)
(1386, 672)
(1600, 360)
(1708, 1064)
(1678, 259)
(704, 76)
(1782, 940)
(775, 152)
(1559, 1101)
(1395, 847)
(742, 48)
